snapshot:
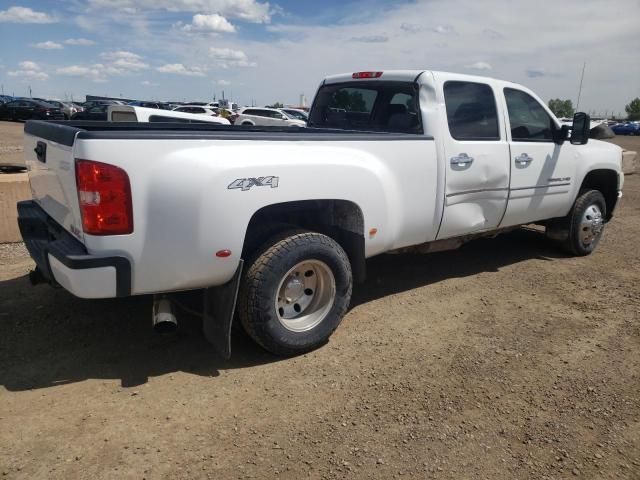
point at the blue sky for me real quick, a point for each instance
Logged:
(262, 52)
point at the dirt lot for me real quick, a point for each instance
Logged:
(11, 144)
(504, 359)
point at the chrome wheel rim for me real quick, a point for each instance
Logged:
(591, 225)
(305, 295)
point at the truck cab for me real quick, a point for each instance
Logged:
(507, 160)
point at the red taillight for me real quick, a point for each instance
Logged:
(104, 193)
(366, 75)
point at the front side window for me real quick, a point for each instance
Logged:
(529, 121)
(471, 111)
(370, 106)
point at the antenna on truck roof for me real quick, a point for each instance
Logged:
(580, 89)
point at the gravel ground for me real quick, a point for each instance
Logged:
(11, 144)
(503, 359)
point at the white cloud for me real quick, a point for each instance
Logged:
(116, 64)
(245, 10)
(79, 41)
(227, 57)
(124, 61)
(29, 70)
(28, 65)
(535, 72)
(147, 83)
(48, 45)
(444, 29)
(223, 83)
(213, 23)
(492, 34)
(480, 66)
(371, 39)
(25, 15)
(95, 73)
(180, 69)
(411, 27)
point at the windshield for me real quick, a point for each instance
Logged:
(372, 106)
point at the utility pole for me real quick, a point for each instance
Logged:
(3, 89)
(584, 65)
(30, 96)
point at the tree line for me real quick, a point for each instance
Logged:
(564, 108)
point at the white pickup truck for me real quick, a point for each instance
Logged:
(280, 220)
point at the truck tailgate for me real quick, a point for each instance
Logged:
(50, 160)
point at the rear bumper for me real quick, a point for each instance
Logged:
(64, 261)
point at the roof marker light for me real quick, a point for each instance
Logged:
(366, 75)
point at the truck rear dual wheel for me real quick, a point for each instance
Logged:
(586, 223)
(295, 293)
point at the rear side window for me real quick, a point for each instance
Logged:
(370, 106)
(471, 111)
(529, 121)
(123, 117)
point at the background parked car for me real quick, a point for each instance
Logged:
(130, 113)
(196, 109)
(295, 113)
(27, 109)
(5, 98)
(267, 117)
(156, 105)
(67, 108)
(628, 128)
(93, 103)
(95, 112)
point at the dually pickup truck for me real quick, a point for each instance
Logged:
(274, 224)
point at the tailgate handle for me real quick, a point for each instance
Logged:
(41, 152)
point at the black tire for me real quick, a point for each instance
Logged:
(575, 242)
(247, 124)
(263, 278)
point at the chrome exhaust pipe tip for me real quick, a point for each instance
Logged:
(164, 320)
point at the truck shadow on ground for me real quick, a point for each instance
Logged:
(49, 338)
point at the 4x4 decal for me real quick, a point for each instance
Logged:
(245, 184)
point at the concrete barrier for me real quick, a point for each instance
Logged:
(629, 162)
(13, 188)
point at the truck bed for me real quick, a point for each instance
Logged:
(65, 132)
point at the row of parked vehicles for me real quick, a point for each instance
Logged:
(626, 128)
(102, 110)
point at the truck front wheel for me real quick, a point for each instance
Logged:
(586, 223)
(295, 293)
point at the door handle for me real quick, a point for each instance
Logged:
(524, 159)
(461, 160)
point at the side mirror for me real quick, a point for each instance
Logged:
(580, 129)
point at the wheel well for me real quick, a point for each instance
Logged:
(606, 181)
(341, 220)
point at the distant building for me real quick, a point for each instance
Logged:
(303, 100)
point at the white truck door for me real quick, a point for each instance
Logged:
(477, 159)
(542, 172)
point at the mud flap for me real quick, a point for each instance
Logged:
(219, 308)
